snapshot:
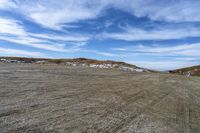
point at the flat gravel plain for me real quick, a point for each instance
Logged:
(59, 99)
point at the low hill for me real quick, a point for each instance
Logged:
(76, 62)
(193, 71)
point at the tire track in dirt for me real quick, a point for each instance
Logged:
(140, 110)
(194, 113)
(182, 117)
(160, 98)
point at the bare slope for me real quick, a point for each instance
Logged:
(194, 71)
(56, 98)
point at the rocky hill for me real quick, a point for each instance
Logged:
(77, 62)
(189, 71)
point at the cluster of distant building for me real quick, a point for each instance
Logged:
(74, 64)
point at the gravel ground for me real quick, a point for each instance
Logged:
(60, 99)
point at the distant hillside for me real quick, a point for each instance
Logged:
(193, 71)
(76, 62)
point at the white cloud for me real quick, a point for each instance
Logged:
(9, 26)
(164, 50)
(16, 52)
(33, 43)
(107, 54)
(172, 11)
(183, 50)
(186, 59)
(70, 38)
(162, 57)
(104, 53)
(135, 34)
(13, 31)
(6, 4)
(54, 14)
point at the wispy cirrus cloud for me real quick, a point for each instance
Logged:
(14, 52)
(107, 54)
(177, 50)
(6, 4)
(55, 14)
(69, 38)
(170, 11)
(13, 31)
(162, 57)
(137, 34)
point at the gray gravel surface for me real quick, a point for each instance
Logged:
(60, 99)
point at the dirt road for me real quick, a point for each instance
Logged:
(42, 98)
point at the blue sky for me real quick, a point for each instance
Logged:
(154, 34)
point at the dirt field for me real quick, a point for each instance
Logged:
(42, 98)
